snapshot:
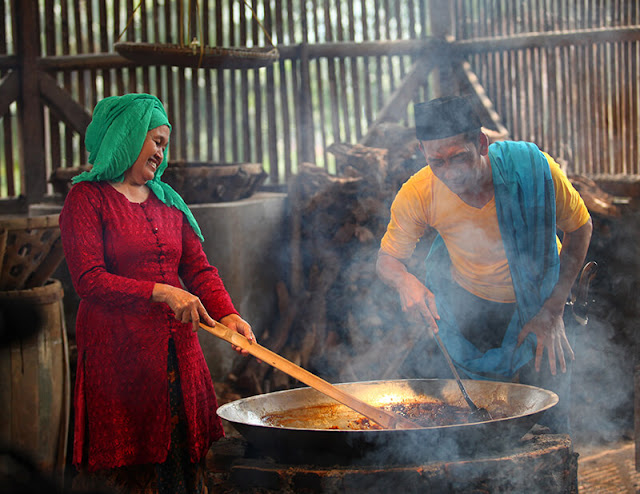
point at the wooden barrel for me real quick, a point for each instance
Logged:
(35, 381)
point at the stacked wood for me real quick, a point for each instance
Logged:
(337, 318)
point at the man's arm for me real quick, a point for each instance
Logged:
(548, 325)
(416, 299)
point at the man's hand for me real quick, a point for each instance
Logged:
(418, 302)
(550, 333)
(239, 325)
(416, 299)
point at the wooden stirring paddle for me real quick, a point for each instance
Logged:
(387, 420)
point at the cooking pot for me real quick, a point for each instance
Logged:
(304, 426)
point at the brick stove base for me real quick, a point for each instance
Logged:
(538, 464)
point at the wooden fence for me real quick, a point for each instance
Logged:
(561, 73)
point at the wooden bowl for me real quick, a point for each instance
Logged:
(204, 182)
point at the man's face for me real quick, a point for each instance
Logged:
(457, 161)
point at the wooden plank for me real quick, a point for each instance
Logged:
(307, 131)
(366, 74)
(387, 33)
(306, 110)
(118, 74)
(284, 91)
(208, 85)
(294, 94)
(30, 114)
(342, 88)
(247, 134)
(144, 31)
(82, 78)
(54, 128)
(257, 94)
(7, 125)
(232, 100)
(65, 107)
(180, 149)
(272, 131)
(67, 136)
(220, 87)
(377, 37)
(320, 104)
(195, 131)
(104, 47)
(331, 72)
(172, 105)
(355, 78)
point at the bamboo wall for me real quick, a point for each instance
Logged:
(577, 102)
(580, 101)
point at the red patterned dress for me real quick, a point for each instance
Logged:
(116, 251)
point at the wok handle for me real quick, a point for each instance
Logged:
(387, 420)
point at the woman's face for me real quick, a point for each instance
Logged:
(150, 156)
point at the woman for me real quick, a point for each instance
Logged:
(145, 407)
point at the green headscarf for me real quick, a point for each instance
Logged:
(115, 138)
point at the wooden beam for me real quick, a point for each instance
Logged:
(8, 62)
(9, 91)
(378, 48)
(547, 40)
(85, 62)
(344, 49)
(482, 104)
(63, 105)
(14, 205)
(399, 100)
(30, 114)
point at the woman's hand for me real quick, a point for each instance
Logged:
(187, 307)
(239, 325)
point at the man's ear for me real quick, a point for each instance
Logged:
(421, 148)
(483, 143)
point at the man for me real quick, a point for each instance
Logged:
(496, 284)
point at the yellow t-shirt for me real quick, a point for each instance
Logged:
(472, 235)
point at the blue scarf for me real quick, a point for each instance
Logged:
(525, 205)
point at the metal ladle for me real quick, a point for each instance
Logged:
(479, 414)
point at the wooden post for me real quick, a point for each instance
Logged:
(306, 110)
(440, 16)
(30, 114)
(637, 415)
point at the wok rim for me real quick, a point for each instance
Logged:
(223, 408)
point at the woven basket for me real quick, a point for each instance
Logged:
(185, 56)
(204, 182)
(30, 251)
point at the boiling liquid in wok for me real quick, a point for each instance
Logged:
(424, 414)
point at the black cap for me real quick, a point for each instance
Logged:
(444, 117)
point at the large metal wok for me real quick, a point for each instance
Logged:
(312, 428)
